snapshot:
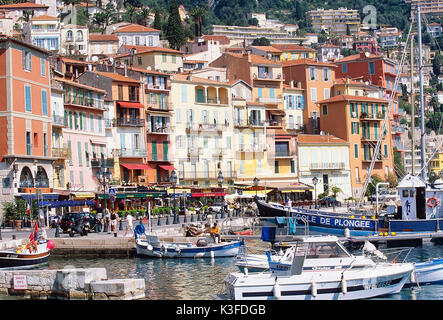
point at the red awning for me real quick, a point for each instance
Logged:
(167, 167)
(209, 194)
(130, 105)
(135, 166)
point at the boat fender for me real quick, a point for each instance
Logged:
(276, 290)
(344, 286)
(149, 247)
(212, 254)
(177, 249)
(347, 233)
(314, 289)
(245, 271)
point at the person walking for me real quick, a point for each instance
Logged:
(108, 220)
(129, 226)
(114, 220)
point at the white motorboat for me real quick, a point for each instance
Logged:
(321, 253)
(361, 283)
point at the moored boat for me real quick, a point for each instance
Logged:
(22, 257)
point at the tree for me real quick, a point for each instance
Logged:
(197, 13)
(175, 32)
(130, 13)
(436, 64)
(143, 14)
(157, 24)
(261, 42)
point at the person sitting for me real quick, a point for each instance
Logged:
(215, 233)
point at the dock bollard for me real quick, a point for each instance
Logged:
(120, 227)
(167, 219)
(158, 221)
(192, 218)
(199, 217)
(185, 219)
(57, 231)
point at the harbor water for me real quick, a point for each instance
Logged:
(201, 279)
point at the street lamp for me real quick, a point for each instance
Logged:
(315, 181)
(220, 184)
(256, 181)
(104, 176)
(173, 180)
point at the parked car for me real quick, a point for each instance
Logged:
(329, 202)
(70, 216)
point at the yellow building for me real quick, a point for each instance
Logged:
(295, 52)
(203, 129)
(436, 165)
(156, 58)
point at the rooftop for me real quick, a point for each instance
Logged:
(135, 28)
(320, 139)
(117, 77)
(24, 5)
(344, 97)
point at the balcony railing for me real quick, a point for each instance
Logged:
(284, 154)
(367, 116)
(29, 149)
(59, 121)
(135, 153)
(251, 148)
(327, 166)
(98, 163)
(207, 174)
(134, 122)
(84, 101)
(159, 130)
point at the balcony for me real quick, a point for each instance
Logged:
(397, 129)
(296, 126)
(251, 148)
(240, 123)
(207, 174)
(368, 138)
(327, 166)
(59, 121)
(371, 117)
(132, 122)
(369, 159)
(84, 101)
(61, 153)
(255, 123)
(270, 100)
(162, 106)
(159, 130)
(202, 127)
(268, 76)
(109, 123)
(160, 87)
(98, 163)
(132, 153)
(284, 154)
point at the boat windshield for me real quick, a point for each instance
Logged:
(322, 250)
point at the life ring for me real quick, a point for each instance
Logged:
(432, 202)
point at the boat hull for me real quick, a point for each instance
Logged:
(224, 249)
(427, 273)
(10, 259)
(362, 284)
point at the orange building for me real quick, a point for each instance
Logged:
(361, 123)
(316, 78)
(25, 89)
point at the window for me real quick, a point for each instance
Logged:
(173, 59)
(139, 60)
(79, 149)
(292, 166)
(371, 67)
(28, 104)
(356, 151)
(355, 127)
(163, 57)
(79, 35)
(42, 67)
(313, 94)
(260, 92)
(91, 122)
(325, 110)
(271, 93)
(327, 93)
(344, 68)
(354, 112)
(120, 92)
(386, 150)
(44, 102)
(28, 143)
(27, 60)
(69, 35)
(276, 169)
(313, 74)
(99, 120)
(326, 74)
(87, 154)
(184, 93)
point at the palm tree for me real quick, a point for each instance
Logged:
(130, 12)
(144, 14)
(197, 13)
(27, 15)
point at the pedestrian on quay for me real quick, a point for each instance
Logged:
(114, 220)
(108, 220)
(129, 226)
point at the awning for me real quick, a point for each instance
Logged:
(95, 141)
(66, 203)
(167, 167)
(295, 190)
(135, 166)
(83, 195)
(251, 192)
(209, 194)
(131, 105)
(43, 196)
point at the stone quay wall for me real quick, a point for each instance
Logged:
(71, 284)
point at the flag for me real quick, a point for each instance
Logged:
(36, 231)
(28, 209)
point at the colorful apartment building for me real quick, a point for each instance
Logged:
(25, 150)
(290, 51)
(325, 157)
(129, 122)
(43, 31)
(15, 10)
(102, 45)
(138, 35)
(316, 78)
(361, 120)
(154, 58)
(339, 21)
(203, 129)
(84, 135)
(381, 72)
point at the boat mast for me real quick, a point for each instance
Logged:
(422, 106)
(412, 106)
